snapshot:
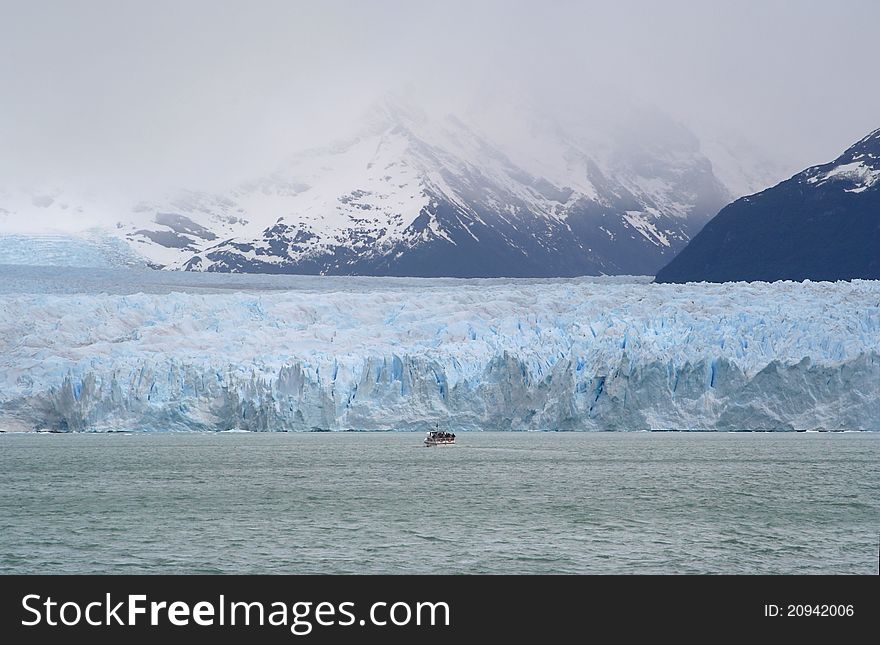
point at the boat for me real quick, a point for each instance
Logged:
(439, 438)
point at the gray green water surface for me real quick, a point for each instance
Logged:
(494, 503)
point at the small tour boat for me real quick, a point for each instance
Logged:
(439, 438)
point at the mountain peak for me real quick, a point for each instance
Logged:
(822, 224)
(392, 111)
(856, 170)
(873, 137)
(867, 148)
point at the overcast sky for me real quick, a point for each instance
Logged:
(159, 92)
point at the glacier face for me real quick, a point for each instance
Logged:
(377, 354)
(86, 249)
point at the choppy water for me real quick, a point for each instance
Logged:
(496, 503)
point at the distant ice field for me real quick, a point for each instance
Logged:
(18, 278)
(118, 349)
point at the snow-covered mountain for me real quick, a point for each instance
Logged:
(415, 195)
(822, 224)
(503, 191)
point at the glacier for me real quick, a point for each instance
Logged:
(296, 353)
(85, 249)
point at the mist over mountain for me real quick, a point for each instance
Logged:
(590, 138)
(504, 189)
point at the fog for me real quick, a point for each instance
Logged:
(138, 96)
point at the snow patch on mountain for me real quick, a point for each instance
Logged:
(859, 167)
(859, 173)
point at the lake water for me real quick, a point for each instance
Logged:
(495, 503)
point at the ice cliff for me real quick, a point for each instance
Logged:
(497, 355)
